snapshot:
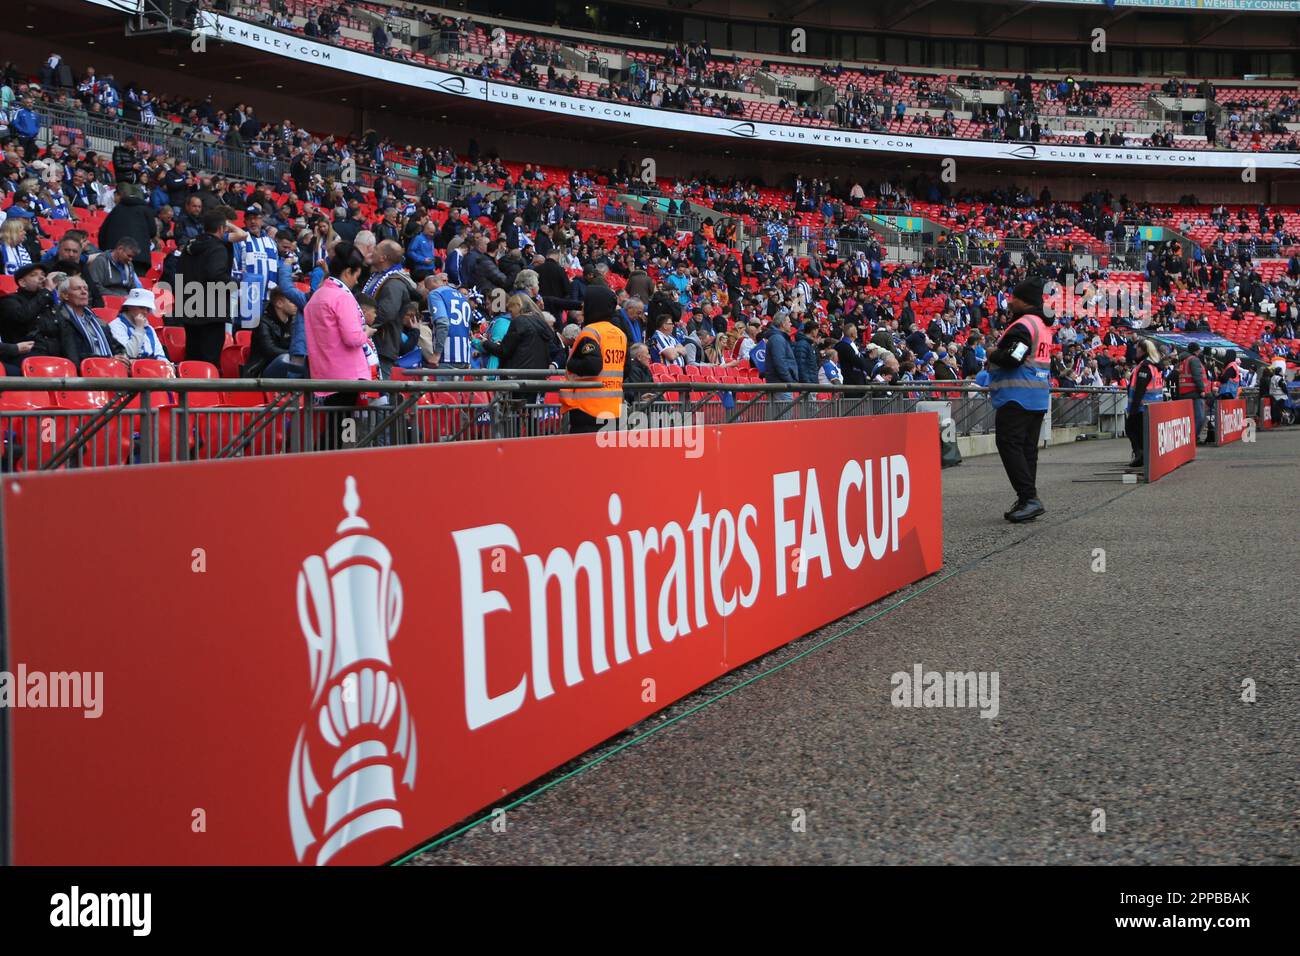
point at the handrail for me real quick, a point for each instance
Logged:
(358, 386)
(150, 385)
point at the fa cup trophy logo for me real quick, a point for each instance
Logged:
(360, 729)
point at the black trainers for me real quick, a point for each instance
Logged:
(1009, 512)
(1028, 511)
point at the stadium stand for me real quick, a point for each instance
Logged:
(717, 256)
(872, 96)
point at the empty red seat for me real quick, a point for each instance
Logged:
(232, 357)
(173, 340)
(104, 368)
(48, 366)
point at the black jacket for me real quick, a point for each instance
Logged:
(72, 342)
(271, 339)
(852, 365)
(486, 275)
(528, 343)
(552, 280)
(636, 374)
(20, 314)
(662, 303)
(510, 266)
(134, 219)
(208, 260)
(124, 160)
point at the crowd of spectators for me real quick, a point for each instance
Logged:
(521, 251)
(692, 77)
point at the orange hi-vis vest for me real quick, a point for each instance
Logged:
(604, 402)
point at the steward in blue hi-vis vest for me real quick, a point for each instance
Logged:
(1029, 384)
(1155, 388)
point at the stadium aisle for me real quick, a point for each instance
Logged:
(1121, 691)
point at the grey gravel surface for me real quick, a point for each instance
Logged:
(1119, 691)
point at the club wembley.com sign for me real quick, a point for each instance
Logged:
(1170, 437)
(336, 676)
(306, 50)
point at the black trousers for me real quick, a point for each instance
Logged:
(1135, 429)
(580, 422)
(332, 436)
(1017, 440)
(203, 343)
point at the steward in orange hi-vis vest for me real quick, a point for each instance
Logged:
(599, 355)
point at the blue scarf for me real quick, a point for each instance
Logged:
(375, 281)
(93, 330)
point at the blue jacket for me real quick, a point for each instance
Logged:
(420, 253)
(781, 364)
(805, 356)
(27, 123)
(284, 282)
(637, 330)
(454, 260)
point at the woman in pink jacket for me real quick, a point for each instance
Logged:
(337, 334)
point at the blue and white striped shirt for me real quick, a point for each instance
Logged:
(257, 266)
(448, 304)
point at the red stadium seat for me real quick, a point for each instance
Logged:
(28, 439)
(173, 340)
(48, 366)
(232, 357)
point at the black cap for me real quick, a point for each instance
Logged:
(1030, 292)
(598, 304)
(253, 210)
(1193, 347)
(24, 271)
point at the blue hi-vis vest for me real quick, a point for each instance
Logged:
(1030, 384)
(1229, 388)
(1155, 388)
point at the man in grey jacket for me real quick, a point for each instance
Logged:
(697, 344)
(392, 289)
(114, 271)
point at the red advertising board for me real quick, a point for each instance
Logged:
(330, 658)
(1230, 423)
(1170, 438)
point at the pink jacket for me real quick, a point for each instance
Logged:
(333, 322)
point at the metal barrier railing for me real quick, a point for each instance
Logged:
(54, 423)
